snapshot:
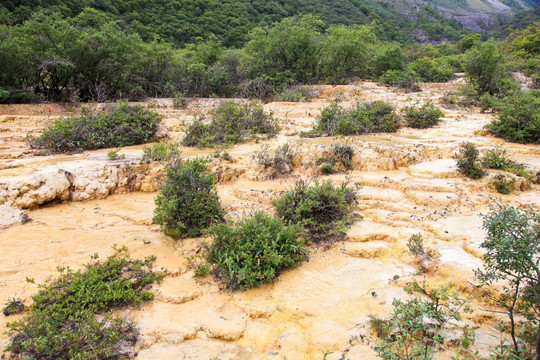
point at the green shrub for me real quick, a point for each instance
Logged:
(323, 209)
(297, 93)
(13, 306)
(417, 328)
(188, 202)
(497, 158)
(468, 161)
(422, 117)
(114, 154)
(371, 117)
(340, 155)
(431, 70)
(504, 186)
(231, 123)
(344, 154)
(255, 250)
(407, 80)
(114, 126)
(167, 152)
(71, 316)
(518, 119)
(281, 160)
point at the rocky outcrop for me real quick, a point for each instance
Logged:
(78, 181)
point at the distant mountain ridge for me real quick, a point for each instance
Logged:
(183, 21)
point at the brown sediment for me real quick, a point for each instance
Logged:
(410, 185)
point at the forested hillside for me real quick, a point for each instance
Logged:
(182, 22)
(97, 50)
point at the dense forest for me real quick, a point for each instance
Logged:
(97, 50)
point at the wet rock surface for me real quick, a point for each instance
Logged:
(84, 203)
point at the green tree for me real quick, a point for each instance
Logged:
(287, 52)
(512, 260)
(485, 69)
(346, 52)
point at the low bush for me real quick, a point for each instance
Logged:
(418, 327)
(323, 209)
(114, 126)
(71, 317)
(518, 118)
(422, 117)
(504, 186)
(255, 250)
(469, 162)
(341, 155)
(188, 202)
(165, 152)
(231, 123)
(281, 160)
(407, 80)
(115, 154)
(371, 117)
(298, 93)
(498, 159)
(13, 306)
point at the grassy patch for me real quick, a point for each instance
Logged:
(255, 250)
(323, 209)
(71, 316)
(231, 123)
(188, 202)
(165, 152)
(371, 117)
(114, 126)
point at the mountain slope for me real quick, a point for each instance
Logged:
(183, 21)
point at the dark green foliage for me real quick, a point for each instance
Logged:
(469, 162)
(512, 260)
(255, 250)
(430, 70)
(365, 118)
(518, 119)
(71, 316)
(422, 117)
(166, 152)
(13, 306)
(114, 126)
(407, 79)
(187, 202)
(231, 123)
(323, 209)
